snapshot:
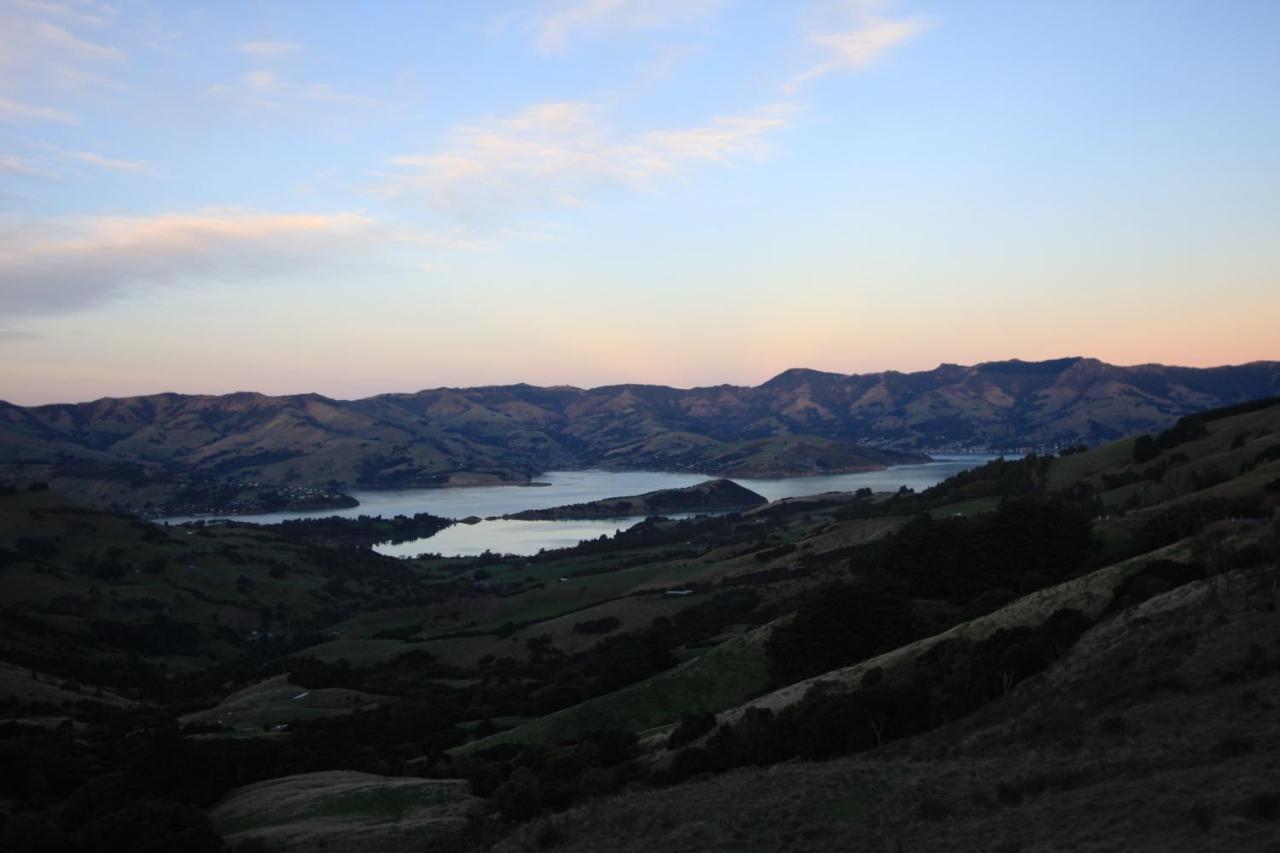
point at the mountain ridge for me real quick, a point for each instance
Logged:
(801, 421)
(790, 371)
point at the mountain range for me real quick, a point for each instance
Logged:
(1077, 652)
(140, 450)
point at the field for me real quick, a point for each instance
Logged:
(276, 702)
(1133, 742)
(731, 672)
(343, 811)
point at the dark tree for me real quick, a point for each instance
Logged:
(840, 624)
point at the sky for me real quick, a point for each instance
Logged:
(356, 198)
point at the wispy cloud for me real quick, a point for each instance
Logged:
(111, 164)
(44, 160)
(63, 265)
(570, 19)
(263, 90)
(14, 336)
(87, 13)
(16, 111)
(268, 49)
(664, 62)
(12, 165)
(63, 40)
(867, 38)
(45, 45)
(560, 152)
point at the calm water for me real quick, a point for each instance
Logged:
(566, 487)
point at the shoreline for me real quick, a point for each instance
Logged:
(534, 483)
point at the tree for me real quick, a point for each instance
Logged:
(1145, 448)
(840, 624)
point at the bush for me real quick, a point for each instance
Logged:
(152, 826)
(597, 626)
(1145, 449)
(692, 726)
(840, 624)
(1264, 806)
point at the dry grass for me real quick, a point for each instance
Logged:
(1090, 595)
(1157, 732)
(731, 672)
(21, 689)
(340, 811)
(276, 701)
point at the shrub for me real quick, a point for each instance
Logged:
(1145, 449)
(1264, 806)
(692, 726)
(840, 624)
(597, 626)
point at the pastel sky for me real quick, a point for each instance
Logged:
(353, 198)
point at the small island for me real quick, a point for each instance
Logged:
(711, 496)
(363, 531)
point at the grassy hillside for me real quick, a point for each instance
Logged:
(1208, 452)
(1156, 732)
(342, 811)
(277, 702)
(147, 452)
(102, 600)
(735, 670)
(1041, 642)
(1148, 727)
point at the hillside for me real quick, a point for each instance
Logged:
(1156, 732)
(711, 496)
(1228, 468)
(1094, 676)
(104, 601)
(1024, 645)
(343, 811)
(143, 452)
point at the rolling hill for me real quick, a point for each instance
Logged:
(1044, 653)
(141, 452)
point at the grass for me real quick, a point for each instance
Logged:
(1044, 768)
(217, 579)
(1230, 444)
(729, 673)
(276, 701)
(345, 811)
(1090, 595)
(22, 691)
(970, 507)
(1065, 471)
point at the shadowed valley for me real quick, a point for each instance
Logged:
(869, 669)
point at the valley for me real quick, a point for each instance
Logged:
(683, 666)
(615, 426)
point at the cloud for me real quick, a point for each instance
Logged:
(268, 49)
(665, 61)
(63, 265)
(54, 162)
(39, 49)
(870, 38)
(596, 17)
(64, 41)
(89, 13)
(16, 111)
(558, 152)
(12, 165)
(14, 336)
(262, 90)
(132, 167)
